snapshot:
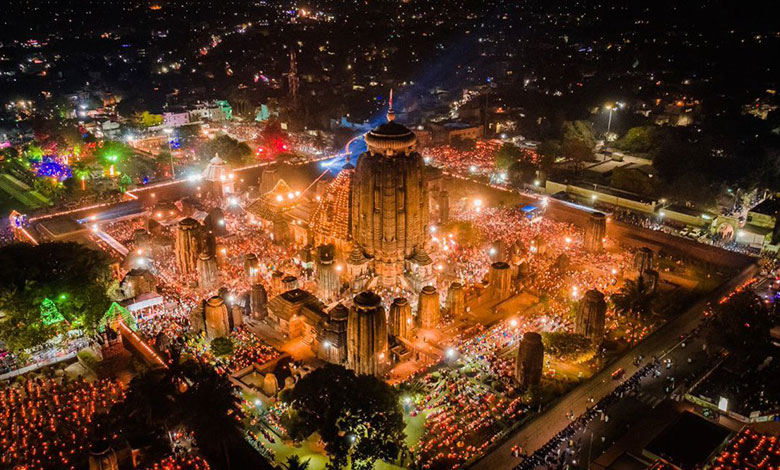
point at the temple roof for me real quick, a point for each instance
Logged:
(331, 218)
(356, 256)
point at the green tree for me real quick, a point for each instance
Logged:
(81, 172)
(147, 119)
(71, 275)
(566, 345)
(230, 150)
(629, 179)
(294, 462)
(580, 131)
(638, 139)
(578, 151)
(360, 428)
(112, 152)
(221, 346)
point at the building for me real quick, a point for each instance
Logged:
(591, 316)
(389, 200)
(296, 312)
(530, 360)
(367, 335)
(333, 335)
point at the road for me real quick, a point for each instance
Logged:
(544, 427)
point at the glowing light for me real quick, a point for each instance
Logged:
(513, 323)
(451, 353)
(279, 198)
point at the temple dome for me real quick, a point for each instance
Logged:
(391, 138)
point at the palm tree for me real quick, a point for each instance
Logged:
(633, 299)
(81, 172)
(213, 414)
(294, 462)
(152, 403)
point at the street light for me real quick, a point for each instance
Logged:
(611, 108)
(169, 131)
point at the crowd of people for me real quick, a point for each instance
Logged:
(481, 160)
(472, 397)
(181, 462)
(45, 423)
(749, 449)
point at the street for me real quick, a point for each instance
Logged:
(543, 428)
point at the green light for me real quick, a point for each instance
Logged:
(63, 296)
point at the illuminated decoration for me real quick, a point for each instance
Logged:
(112, 312)
(50, 314)
(331, 220)
(51, 167)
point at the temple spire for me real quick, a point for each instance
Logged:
(390, 112)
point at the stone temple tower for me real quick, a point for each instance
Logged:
(208, 274)
(400, 323)
(187, 245)
(367, 335)
(530, 360)
(595, 231)
(428, 311)
(591, 315)
(500, 277)
(389, 199)
(328, 282)
(456, 300)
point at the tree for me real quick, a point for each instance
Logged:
(638, 139)
(566, 345)
(72, 276)
(578, 151)
(549, 151)
(630, 179)
(741, 324)
(111, 152)
(151, 406)
(147, 119)
(221, 346)
(216, 424)
(294, 462)
(580, 131)
(359, 418)
(230, 150)
(633, 299)
(507, 155)
(81, 172)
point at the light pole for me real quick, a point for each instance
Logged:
(610, 108)
(168, 131)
